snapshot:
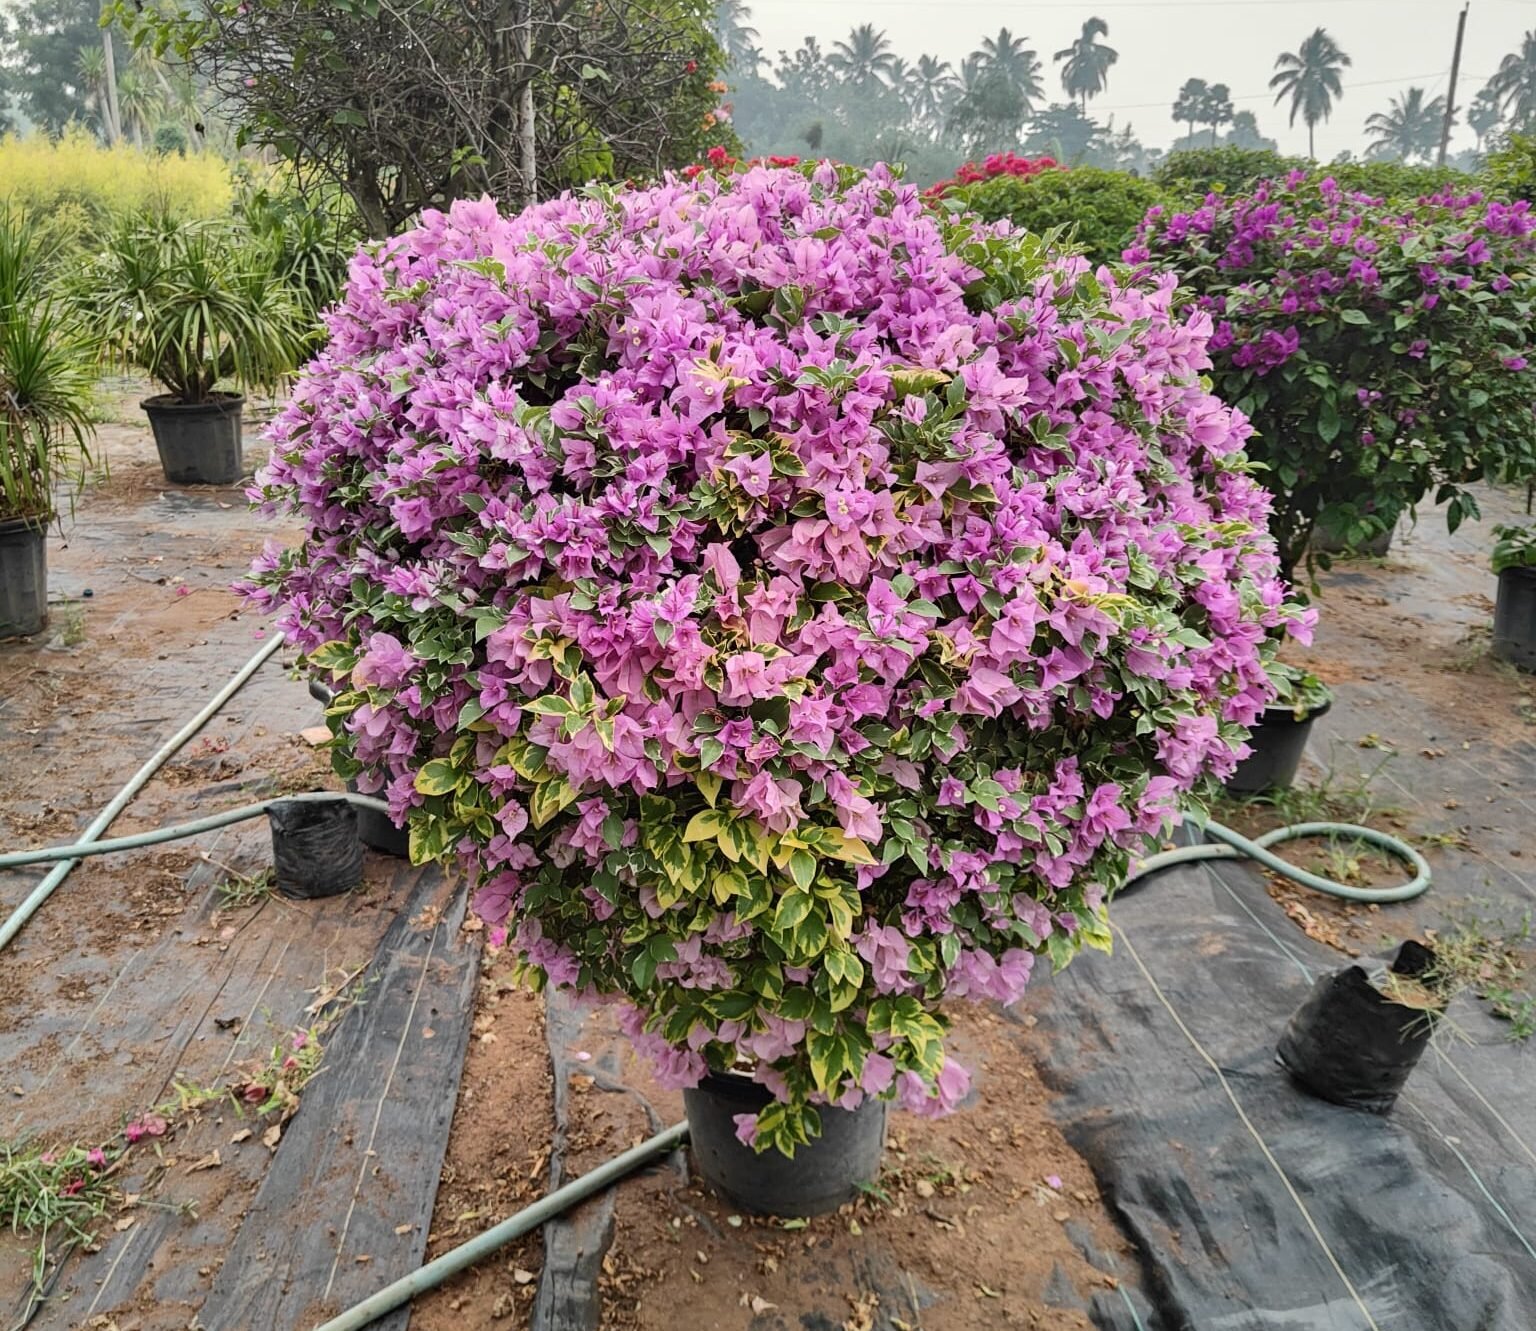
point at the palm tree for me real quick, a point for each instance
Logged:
(1189, 108)
(91, 66)
(990, 111)
(865, 58)
(1014, 63)
(1483, 115)
(1086, 73)
(736, 35)
(139, 102)
(1514, 84)
(930, 88)
(1309, 76)
(1409, 128)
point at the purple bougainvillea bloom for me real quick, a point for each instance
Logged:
(791, 604)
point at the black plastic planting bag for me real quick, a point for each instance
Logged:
(315, 847)
(1351, 1044)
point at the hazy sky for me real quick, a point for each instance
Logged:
(1393, 43)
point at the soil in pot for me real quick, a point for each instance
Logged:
(315, 847)
(1278, 741)
(199, 442)
(822, 1175)
(23, 577)
(1514, 618)
(1356, 1039)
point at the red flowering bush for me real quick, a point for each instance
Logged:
(990, 168)
(792, 607)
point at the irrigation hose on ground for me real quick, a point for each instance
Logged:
(24, 912)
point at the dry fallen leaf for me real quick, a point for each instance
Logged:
(315, 735)
(209, 1161)
(523, 1277)
(126, 1222)
(760, 1304)
(404, 1229)
(244, 1135)
(272, 1136)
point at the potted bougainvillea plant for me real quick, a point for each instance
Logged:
(791, 607)
(1382, 349)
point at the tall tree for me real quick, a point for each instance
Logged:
(930, 89)
(1484, 115)
(1086, 71)
(416, 103)
(865, 58)
(1514, 85)
(1189, 106)
(1009, 59)
(737, 37)
(803, 72)
(1064, 132)
(989, 113)
(1309, 77)
(45, 75)
(1216, 108)
(1409, 128)
(1245, 133)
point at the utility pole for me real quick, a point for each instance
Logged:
(1450, 96)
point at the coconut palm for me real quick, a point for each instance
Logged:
(738, 39)
(139, 102)
(865, 58)
(1015, 64)
(1514, 84)
(1086, 71)
(1309, 76)
(990, 110)
(1483, 115)
(930, 88)
(1409, 128)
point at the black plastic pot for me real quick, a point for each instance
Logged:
(1278, 741)
(377, 832)
(1351, 1044)
(1514, 618)
(199, 442)
(23, 577)
(315, 847)
(822, 1175)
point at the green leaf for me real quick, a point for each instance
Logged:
(438, 777)
(792, 910)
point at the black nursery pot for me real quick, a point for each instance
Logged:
(1278, 740)
(378, 832)
(199, 442)
(1514, 618)
(823, 1174)
(1351, 1044)
(23, 577)
(315, 847)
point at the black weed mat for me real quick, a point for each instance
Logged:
(1253, 1206)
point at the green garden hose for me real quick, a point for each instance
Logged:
(1232, 845)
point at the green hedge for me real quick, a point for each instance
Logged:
(1190, 176)
(1099, 209)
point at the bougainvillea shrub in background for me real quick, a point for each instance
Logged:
(1381, 349)
(996, 165)
(789, 606)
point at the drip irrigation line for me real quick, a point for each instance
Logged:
(24, 912)
(179, 831)
(466, 1254)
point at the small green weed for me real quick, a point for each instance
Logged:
(239, 891)
(1493, 959)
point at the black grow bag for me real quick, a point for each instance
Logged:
(315, 847)
(1278, 740)
(821, 1176)
(1514, 618)
(1351, 1044)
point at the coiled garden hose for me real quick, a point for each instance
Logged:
(1232, 845)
